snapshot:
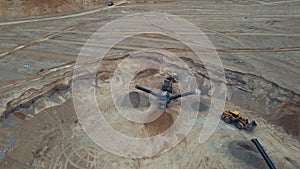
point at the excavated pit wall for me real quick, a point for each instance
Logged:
(251, 92)
(262, 97)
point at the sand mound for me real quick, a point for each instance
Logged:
(287, 116)
(160, 124)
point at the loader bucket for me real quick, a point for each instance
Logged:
(252, 125)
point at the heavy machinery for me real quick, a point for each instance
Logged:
(168, 83)
(167, 88)
(240, 122)
(110, 3)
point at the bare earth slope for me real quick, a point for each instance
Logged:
(259, 50)
(26, 8)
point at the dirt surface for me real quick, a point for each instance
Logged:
(27, 8)
(247, 152)
(259, 50)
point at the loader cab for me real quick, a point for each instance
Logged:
(235, 114)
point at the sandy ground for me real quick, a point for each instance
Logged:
(27, 8)
(258, 48)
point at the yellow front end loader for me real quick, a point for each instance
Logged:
(233, 117)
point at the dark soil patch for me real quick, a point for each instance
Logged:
(139, 100)
(288, 117)
(146, 73)
(159, 125)
(20, 115)
(247, 152)
(200, 107)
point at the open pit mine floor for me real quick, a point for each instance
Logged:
(258, 43)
